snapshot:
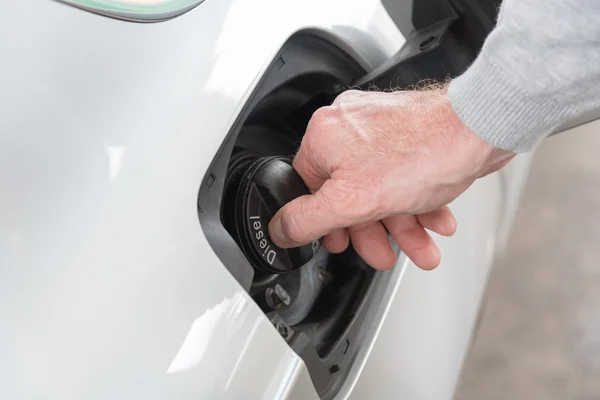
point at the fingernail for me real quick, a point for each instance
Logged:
(275, 231)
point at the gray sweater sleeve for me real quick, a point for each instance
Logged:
(538, 69)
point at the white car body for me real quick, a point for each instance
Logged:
(109, 288)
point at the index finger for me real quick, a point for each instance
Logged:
(311, 172)
(313, 160)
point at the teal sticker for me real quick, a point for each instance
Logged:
(140, 10)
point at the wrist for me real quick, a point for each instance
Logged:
(472, 156)
(487, 158)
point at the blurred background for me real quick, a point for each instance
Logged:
(539, 336)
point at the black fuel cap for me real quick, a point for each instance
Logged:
(267, 185)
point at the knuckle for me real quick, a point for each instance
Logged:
(314, 151)
(321, 121)
(347, 95)
(308, 155)
(308, 142)
(323, 115)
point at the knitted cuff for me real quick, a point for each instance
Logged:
(489, 100)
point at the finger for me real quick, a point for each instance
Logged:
(314, 156)
(336, 205)
(336, 241)
(312, 174)
(413, 240)
(371, 242)
(440, 221)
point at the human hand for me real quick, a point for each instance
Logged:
(383, 161)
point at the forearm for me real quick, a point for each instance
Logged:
(539, 68)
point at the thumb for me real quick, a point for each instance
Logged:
(310, 217)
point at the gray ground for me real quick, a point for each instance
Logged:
(540, 335)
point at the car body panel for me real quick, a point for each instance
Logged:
(108, 287)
